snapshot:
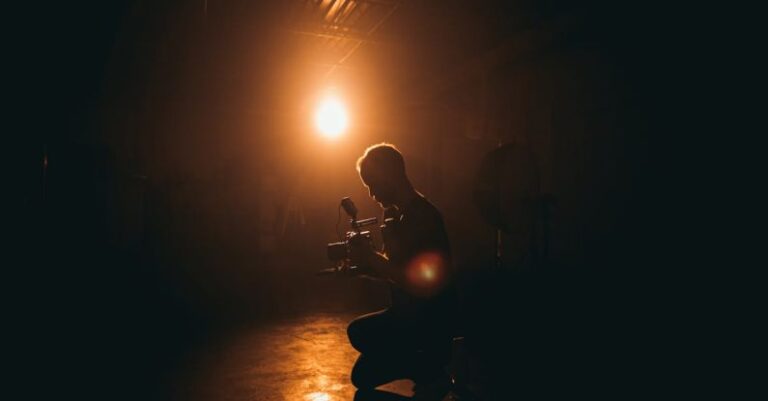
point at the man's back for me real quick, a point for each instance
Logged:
(417, 242)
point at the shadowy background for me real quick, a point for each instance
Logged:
(173, 186)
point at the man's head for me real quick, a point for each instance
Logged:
(382, 170)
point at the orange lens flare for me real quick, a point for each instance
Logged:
(426, 273)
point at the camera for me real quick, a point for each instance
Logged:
(339, 252)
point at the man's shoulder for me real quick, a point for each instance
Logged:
(422, 208)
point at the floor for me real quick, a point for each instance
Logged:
(300, 359)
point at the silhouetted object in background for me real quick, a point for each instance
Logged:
(412, 338)
(506, 193)
(506, 185)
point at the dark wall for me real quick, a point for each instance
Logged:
(583, 267)
(562, 106)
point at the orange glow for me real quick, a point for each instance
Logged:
(331, 117)
(426, 273)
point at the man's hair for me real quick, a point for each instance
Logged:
(383, 158)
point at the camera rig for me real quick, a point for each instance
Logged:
(339, 252)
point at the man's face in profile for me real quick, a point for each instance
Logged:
(381, 188)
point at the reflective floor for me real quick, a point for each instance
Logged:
(302, 359)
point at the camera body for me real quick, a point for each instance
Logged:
(340, 252)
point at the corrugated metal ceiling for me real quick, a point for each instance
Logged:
(336, 29)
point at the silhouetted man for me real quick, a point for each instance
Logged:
(412, 338)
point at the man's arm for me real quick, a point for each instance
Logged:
(372, 264)
(381, 268)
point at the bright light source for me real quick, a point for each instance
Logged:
(317, 396)
(331, 118)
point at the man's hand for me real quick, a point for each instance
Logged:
(370, 263)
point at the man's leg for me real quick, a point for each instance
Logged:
(380, 338)
(376, 333)
(435, 343)
(396, 346)
(371, 371)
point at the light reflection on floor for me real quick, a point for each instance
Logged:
(307, 359)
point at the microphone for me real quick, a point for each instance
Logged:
(349, 207)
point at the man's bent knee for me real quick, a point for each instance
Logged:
(355, 336)
(361, 379)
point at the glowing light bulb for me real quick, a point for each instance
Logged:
(331, 118)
